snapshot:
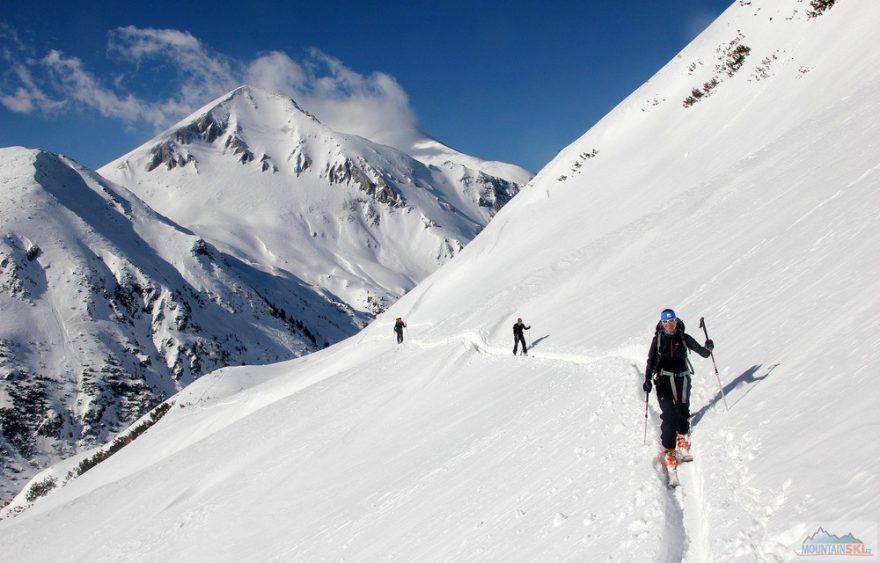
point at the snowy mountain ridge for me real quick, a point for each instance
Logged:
(364, 221)
(295, 236)
(110, 308)
(754, 208)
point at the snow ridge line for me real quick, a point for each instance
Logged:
(479, 344)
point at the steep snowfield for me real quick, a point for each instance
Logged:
(756, 208)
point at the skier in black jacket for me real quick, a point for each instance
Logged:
(671, 370)
(399, 325)
(518, 336)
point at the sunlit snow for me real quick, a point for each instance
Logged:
(755, 208)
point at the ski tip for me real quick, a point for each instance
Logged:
(672, 480)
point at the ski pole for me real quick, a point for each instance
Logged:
(645, 441)
(530, 337)
(711, 353)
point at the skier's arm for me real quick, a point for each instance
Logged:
(652, 359)
(695, 346)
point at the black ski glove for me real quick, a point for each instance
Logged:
(647, 386)
(710, 345)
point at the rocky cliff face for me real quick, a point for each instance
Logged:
(108, 309)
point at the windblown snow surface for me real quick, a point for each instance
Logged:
(756, 207)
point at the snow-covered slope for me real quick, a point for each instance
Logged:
(259, 177)
(755, 207)
(432, 152)
(109, 308)
(293, 236)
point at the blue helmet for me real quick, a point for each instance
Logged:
(667, 315)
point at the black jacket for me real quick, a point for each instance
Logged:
(669, 351)
(398, 326)
(518, 329)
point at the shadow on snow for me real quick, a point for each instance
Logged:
(538, 341)
(748, 377)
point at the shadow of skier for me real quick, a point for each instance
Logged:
(538, 341)
(748, 377)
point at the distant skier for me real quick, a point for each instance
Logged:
(518, 337)
(399, 325)
(671, 370)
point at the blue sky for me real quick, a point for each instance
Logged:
(513, 81)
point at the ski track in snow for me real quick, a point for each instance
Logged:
(684, 509)
(576, 402)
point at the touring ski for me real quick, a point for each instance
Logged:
(669, 461)
(672, 476)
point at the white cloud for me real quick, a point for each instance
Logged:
(21, 101)
(276, 72)
(27, 96)
(19, 91)
(200, 71)
(139, 43)
(79, 85)
(373, 106)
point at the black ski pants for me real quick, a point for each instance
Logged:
(517, 339)
(673, 396)
(399, 335)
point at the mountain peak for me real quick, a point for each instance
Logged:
(227, 118)
(341, 195)
(255, 97)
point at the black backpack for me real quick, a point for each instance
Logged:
(679, 334)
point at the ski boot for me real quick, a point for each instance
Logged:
(671, 466)
(683, 446)
(671, 458)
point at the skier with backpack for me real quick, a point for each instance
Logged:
(671, 371)
(399, 325)
(519, 338)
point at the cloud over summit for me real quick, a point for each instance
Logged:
(192, 73)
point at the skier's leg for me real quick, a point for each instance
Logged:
(683, 425)
(668, 418)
